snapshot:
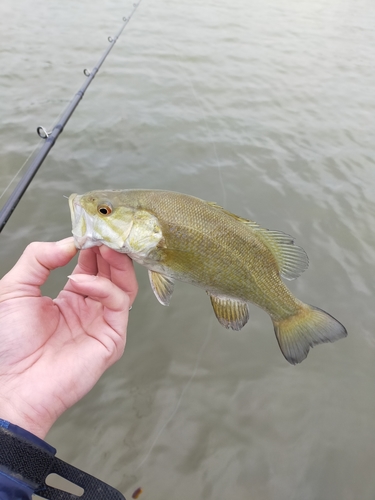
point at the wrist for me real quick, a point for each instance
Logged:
(37, 423)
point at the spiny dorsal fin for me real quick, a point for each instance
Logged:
(292, 259)
(162, 287)
(237, 217)
(231, 313)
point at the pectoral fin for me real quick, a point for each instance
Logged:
(231, 313)
(162, 287)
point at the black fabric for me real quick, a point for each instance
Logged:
(31, 464)
(94, 489)
(23, 459)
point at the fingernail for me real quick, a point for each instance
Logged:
(66, 241)
(82, 278)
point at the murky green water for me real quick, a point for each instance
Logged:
(268, 109)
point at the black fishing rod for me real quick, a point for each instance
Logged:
(51, 137)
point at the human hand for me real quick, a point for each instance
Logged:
(52, 352)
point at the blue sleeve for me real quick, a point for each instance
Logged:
(12, 488)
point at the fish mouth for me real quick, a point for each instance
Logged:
(82, 225)
(73, 216)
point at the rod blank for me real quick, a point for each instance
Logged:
(50, 138)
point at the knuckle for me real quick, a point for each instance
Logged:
(32, 247)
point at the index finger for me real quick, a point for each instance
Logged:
(122, 271)
(87, 262)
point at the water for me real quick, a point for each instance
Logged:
(264, 107)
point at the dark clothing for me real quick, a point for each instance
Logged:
(12, 486)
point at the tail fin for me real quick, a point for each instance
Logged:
(307, 328)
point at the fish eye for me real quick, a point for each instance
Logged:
(104, 209)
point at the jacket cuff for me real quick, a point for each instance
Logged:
(23, 433)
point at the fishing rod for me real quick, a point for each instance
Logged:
(51, 137)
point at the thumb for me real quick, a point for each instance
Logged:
(36, 262)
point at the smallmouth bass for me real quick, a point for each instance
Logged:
(180, 237)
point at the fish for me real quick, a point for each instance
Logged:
(237, 262)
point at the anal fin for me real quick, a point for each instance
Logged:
(162, 287)
(231, 313)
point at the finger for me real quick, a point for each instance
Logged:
(116, 305)
(87, 262)
(122, 271)
(36, 262)
(104, 268)
(91, 262)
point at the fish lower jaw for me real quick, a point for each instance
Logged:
(82, 242)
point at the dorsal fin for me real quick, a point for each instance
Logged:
(292, 259)
(237, 217)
